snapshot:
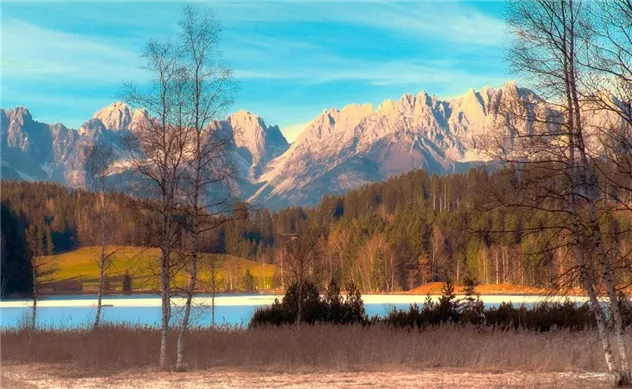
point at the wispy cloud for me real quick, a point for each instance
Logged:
(292, 59)
(32, 52)
(399, 72)
(439, 21)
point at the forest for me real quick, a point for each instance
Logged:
(384, 237)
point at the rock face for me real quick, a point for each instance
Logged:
(38, 151)
(344, 149)
(257, 143)
(340, 149)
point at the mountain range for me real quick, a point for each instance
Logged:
(341, 149)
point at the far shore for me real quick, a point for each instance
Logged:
(431, 288)
(263, 300)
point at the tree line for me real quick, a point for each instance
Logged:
(390, 236)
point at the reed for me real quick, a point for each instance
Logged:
(309, 348)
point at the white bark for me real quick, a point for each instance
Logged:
(102, 259)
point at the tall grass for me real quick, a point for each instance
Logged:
(313, 347)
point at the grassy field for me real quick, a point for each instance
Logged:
(78, 270)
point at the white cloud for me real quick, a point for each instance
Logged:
(32, 52)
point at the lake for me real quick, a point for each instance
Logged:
(69, 311)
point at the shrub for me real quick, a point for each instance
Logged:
(541, 317)
(310, 302)
(331, 308)
(353, 307)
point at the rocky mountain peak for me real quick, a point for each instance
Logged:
(116, 116)
(91, 127)
(257, 142)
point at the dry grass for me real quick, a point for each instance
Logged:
(315, 347)
(60, 376)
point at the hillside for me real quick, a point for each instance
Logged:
(78, 271)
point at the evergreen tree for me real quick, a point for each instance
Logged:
(249, 281)
(448, 303)
(127, 283)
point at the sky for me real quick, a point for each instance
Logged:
(291, 60)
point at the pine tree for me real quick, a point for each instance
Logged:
(249, 281)
(469, 289)
(127, 283)
(50, 247)
(448, 304)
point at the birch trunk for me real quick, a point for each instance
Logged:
(101, 263)
(34, 312)
(187, 313)
(595, 307)
(625, 376)
(166, 306)
(300, 304)
(213, 305)
(191, 288)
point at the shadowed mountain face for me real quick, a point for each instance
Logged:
(339, 150)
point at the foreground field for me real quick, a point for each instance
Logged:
(447, 355)
(318, 346)
(47, 376)
(78, 270)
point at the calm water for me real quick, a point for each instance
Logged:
(77, 310)
(76, 316)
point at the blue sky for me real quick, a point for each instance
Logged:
(292, 60)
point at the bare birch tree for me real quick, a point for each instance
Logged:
(212, 266)
(42, 266)
(210, 169)
(546, 150)
(302, 254)
(157, 149)
(99, 159)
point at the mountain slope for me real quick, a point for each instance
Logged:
(344, 149)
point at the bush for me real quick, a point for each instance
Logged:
(276, 314)
(310, 302)
(540, 318)
(331, 308)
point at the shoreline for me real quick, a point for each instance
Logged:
(431, 288)
(263, 300)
